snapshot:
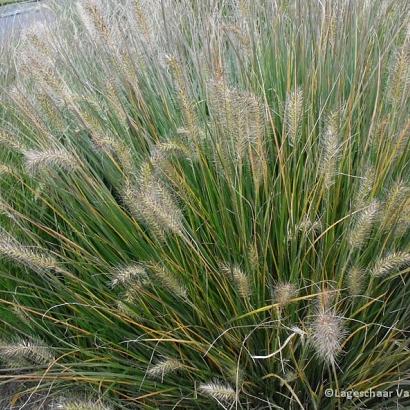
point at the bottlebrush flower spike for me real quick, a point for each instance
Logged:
(92, 16)
(164, 367)
(327, 333)
(360, 232)
(168, 280)
(394, 205)
(59, 158)
(78, 404)
(35, 259)
(26, 351)
(134, 274)
(150, 200)
(399, 76)
(218, 391)
(365, 188)
(390, 263)
(330, 150)
(293, 114)
(240, 278)
(284, 292)
(355, 280)
(238, 118)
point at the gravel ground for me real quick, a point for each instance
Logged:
(7, 393)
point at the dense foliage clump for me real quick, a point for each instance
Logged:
(206, 204)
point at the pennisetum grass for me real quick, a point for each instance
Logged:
(205, 204)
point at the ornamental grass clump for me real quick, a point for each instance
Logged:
(205, 204)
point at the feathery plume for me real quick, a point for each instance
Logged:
(162, 153)
(43, 68)
(187, 107)
(399, 77)
(355, 280)
(253, 255)
(284, 292)
(49, 107)
(293, 114)
(168, 280)
(142, 21)
(403, 223)
(397, 197)
(93, 18)
(165, 367)
(330, 150)
(134, 274)
(25, 352)
(361, 230)
(365, 188)
(240, 279)
(74, 404)
(399, 141)
(59, 158)
(327, 332)
(151, 202)
(239, 119)
(218, 391)
(390, 263)
(37, 260)
(37, 38)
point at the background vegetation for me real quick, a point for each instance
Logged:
(205, 204)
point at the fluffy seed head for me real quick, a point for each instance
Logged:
(134, 274)
(391, 263)
(394, 205)
(284, 292)
(187, 106)
(169, 281)
(360, 232)
(26, 351)
(164, 367)
(92, 16)
(219, 391)
(69, 404)
(37, 260)
(238, 118)
(330, 150)
(365, 188)
(53, 158)
(399, 76)
(150, 200)
(355, 280)
(327, 333)
(293, 114)
(403, 223)
(240, 278)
